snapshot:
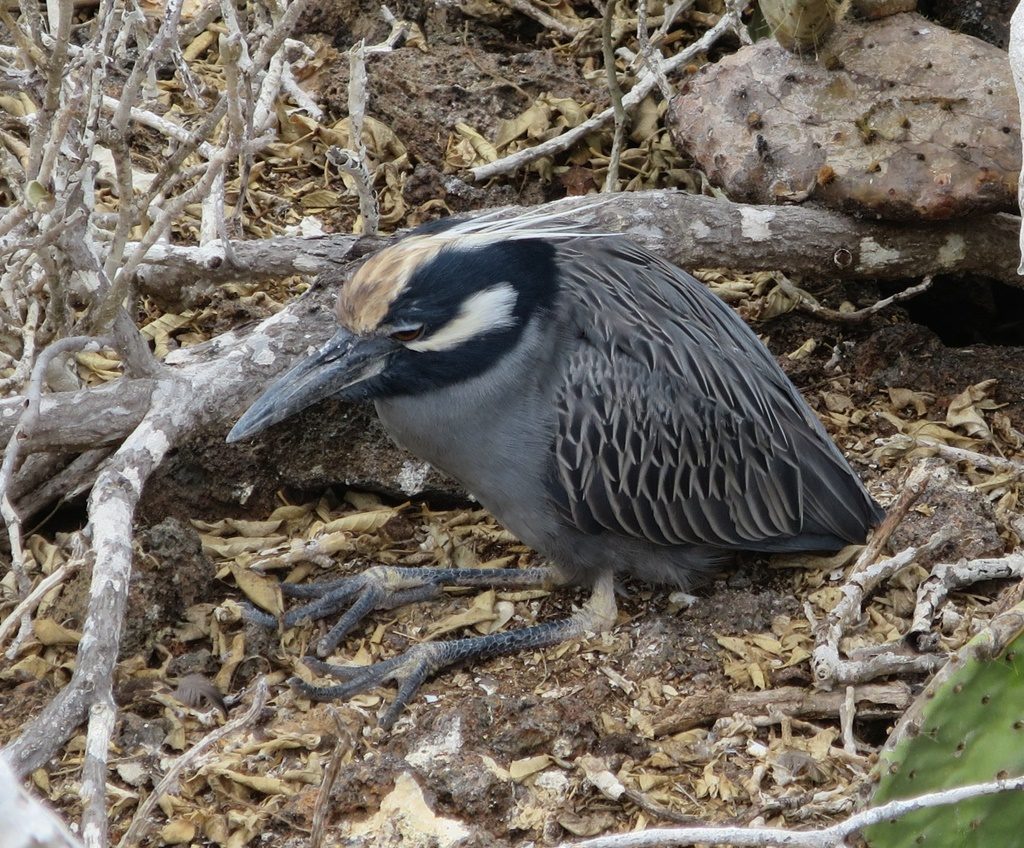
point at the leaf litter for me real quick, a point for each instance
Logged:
(549, 743)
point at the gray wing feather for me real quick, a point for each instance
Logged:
(677, 426)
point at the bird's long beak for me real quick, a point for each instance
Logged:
(344, 361)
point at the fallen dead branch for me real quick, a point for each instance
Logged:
(321, 810)
(829, 837)
(24, 821)
(102, 416)
(807, 303)
(981, 460)
(111, 506)
(947, 577)
(1002, 630)
(691, 230)
(875, 701)
(527, 8)
(828, 666)
(174, 274)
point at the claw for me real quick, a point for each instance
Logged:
(387, 587)
(408, 670)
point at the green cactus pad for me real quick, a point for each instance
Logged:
(971, 730)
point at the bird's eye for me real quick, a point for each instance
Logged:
(409, 335)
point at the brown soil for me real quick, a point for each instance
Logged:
(469, 736)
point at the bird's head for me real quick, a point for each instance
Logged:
(439, 307)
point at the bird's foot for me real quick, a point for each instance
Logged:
(388, 587)
(419, 662)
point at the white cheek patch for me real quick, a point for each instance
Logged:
(483, 312)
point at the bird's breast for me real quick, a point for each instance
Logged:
(493, 433)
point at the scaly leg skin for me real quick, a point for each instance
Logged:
(387, 587)
(411, 668)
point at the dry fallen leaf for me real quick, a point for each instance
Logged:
(259, 782)
(805, 350)
(177, 832)
(263, 592)
(49, 632)
(965, 410)
(519, 770)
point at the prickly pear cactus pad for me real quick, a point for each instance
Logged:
(970, 730)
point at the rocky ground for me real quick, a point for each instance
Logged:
(624, 730)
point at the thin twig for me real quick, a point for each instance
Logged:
(263, 113)
(559, 144)
(22, 435)
(21, 580)
(140, 819)
(28, 345)
(829, 837)
(399, 30)
(199, 23)
(807, 303)
(354, 161)
(128, 97)
(650, 57)
(615, 94)
(992, 463)
(527, 8)
(33, 598)
(989, 643)
(50, 123)
(774, 706)
(826, 663)
(235, 61)
(864, 576)
(914, 486)
(323, 796)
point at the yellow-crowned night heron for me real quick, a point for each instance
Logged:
(606, 407)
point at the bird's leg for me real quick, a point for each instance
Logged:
(387, 587)
(415, 665)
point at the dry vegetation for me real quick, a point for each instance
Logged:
(763, 702)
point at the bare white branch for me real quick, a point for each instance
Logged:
(354, 161)
(527, 8)
(32, 599)
(945, 578)
(1016, 55)
(826, 662)
(24, 821)
(982, 460)
(829, 837)
(93, 790)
